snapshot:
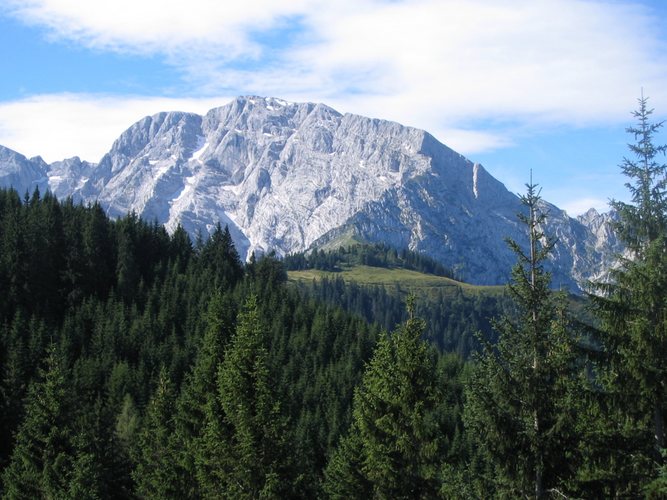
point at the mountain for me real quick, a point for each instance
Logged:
(292, 176)
(21, 173)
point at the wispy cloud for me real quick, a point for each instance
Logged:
(436, 64)
(155, 26)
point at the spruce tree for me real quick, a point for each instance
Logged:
(155, 472)
(632, 305)
(257, 455)
(394, 448)
(344, 477)
(100, 469)
(14, 376)
(517, 397)
(199, 414)
(221, 260)
(42, 459)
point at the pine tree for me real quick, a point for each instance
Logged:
(42, 459)
(127, 423)
(343, 476)
(99, 252)
(220, 258)
(257, 464)
(181, 247)
(643, 221)
(127, 269)
(517, 397)
(199, 414)
(99, 469)
(14, 376)
(155, 475)
(633, 305)
(394, 448)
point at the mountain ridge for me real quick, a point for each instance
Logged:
(291, 176)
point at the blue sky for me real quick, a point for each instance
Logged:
(547, 85)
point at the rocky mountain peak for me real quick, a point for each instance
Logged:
(290, 176)
(22, 174)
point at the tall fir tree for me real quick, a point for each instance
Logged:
(257, 464)
(220, 259)
(43, 457)
(394, 448)
(14, 376)
(517, 396)
(199, 414)
(632, 305)
(155, 473)
(99, 469)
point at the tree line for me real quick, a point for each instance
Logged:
(375, 255)
(454, 320)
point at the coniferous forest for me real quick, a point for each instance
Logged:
(140, 364)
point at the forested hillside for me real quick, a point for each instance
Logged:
(374, 281)
(137, 364)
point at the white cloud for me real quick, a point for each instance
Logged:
(469, 142)
(548, 61)
(159, 26)
(574, 61)
(61, 126)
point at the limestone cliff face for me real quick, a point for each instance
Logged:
(22, 174)
(290, 176)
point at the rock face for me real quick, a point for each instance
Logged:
(289, 176)
(22, 174)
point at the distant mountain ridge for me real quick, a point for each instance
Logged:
(291, 176)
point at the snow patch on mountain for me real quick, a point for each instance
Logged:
(475, 171)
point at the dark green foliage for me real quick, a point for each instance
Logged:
(134, 303)
(155, 456)
(453, 320)
(396, 444)
(198, 409)
(519, 395)
(632, 308)
(257, 458)
(344, 473)
(136, 364)
(101, 467)
(220, 259)
(644, 220)
(121, 299)
(377, 255)
(658, 487)
(44, 454)
(15, 370)
(127, 425)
